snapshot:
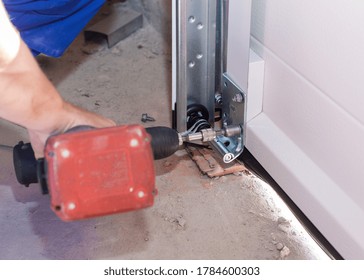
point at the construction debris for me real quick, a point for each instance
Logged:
(285, 252)
(146, 118)
(210, 164)
(119, 24)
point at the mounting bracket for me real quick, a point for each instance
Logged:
(200, 78)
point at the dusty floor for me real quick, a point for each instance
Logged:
(194, 217)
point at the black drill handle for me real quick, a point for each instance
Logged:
(29, 170)
(25, 164)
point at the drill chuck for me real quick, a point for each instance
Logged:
(165, 141)
(207, 135)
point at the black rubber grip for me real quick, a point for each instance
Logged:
(25, 164)
(28, 169)
(165, 141)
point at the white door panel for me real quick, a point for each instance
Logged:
(310, 134)
(238, 45)
(322, 129)
(323, 201)
(322, 40)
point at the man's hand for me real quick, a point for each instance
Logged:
(29, 99)
(70, 116)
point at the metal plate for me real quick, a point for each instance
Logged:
(234, 113)
(116, 26)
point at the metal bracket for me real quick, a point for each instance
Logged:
(200, 38)
(233, 115)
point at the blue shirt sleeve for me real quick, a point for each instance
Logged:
(49, 27)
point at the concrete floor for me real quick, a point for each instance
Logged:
(194, 217)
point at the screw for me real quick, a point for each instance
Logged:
(146, 118)
(238, 98)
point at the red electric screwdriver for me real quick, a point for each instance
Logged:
(95, 172)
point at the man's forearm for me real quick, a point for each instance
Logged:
(9, 38)
(26, 96)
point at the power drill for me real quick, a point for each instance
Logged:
(94, 172)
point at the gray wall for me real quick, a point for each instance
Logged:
(157, 12)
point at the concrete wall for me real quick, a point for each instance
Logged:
(314, 96)
(157, 12)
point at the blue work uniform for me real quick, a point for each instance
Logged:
(49, 27)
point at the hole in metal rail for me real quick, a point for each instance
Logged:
(191, 64)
